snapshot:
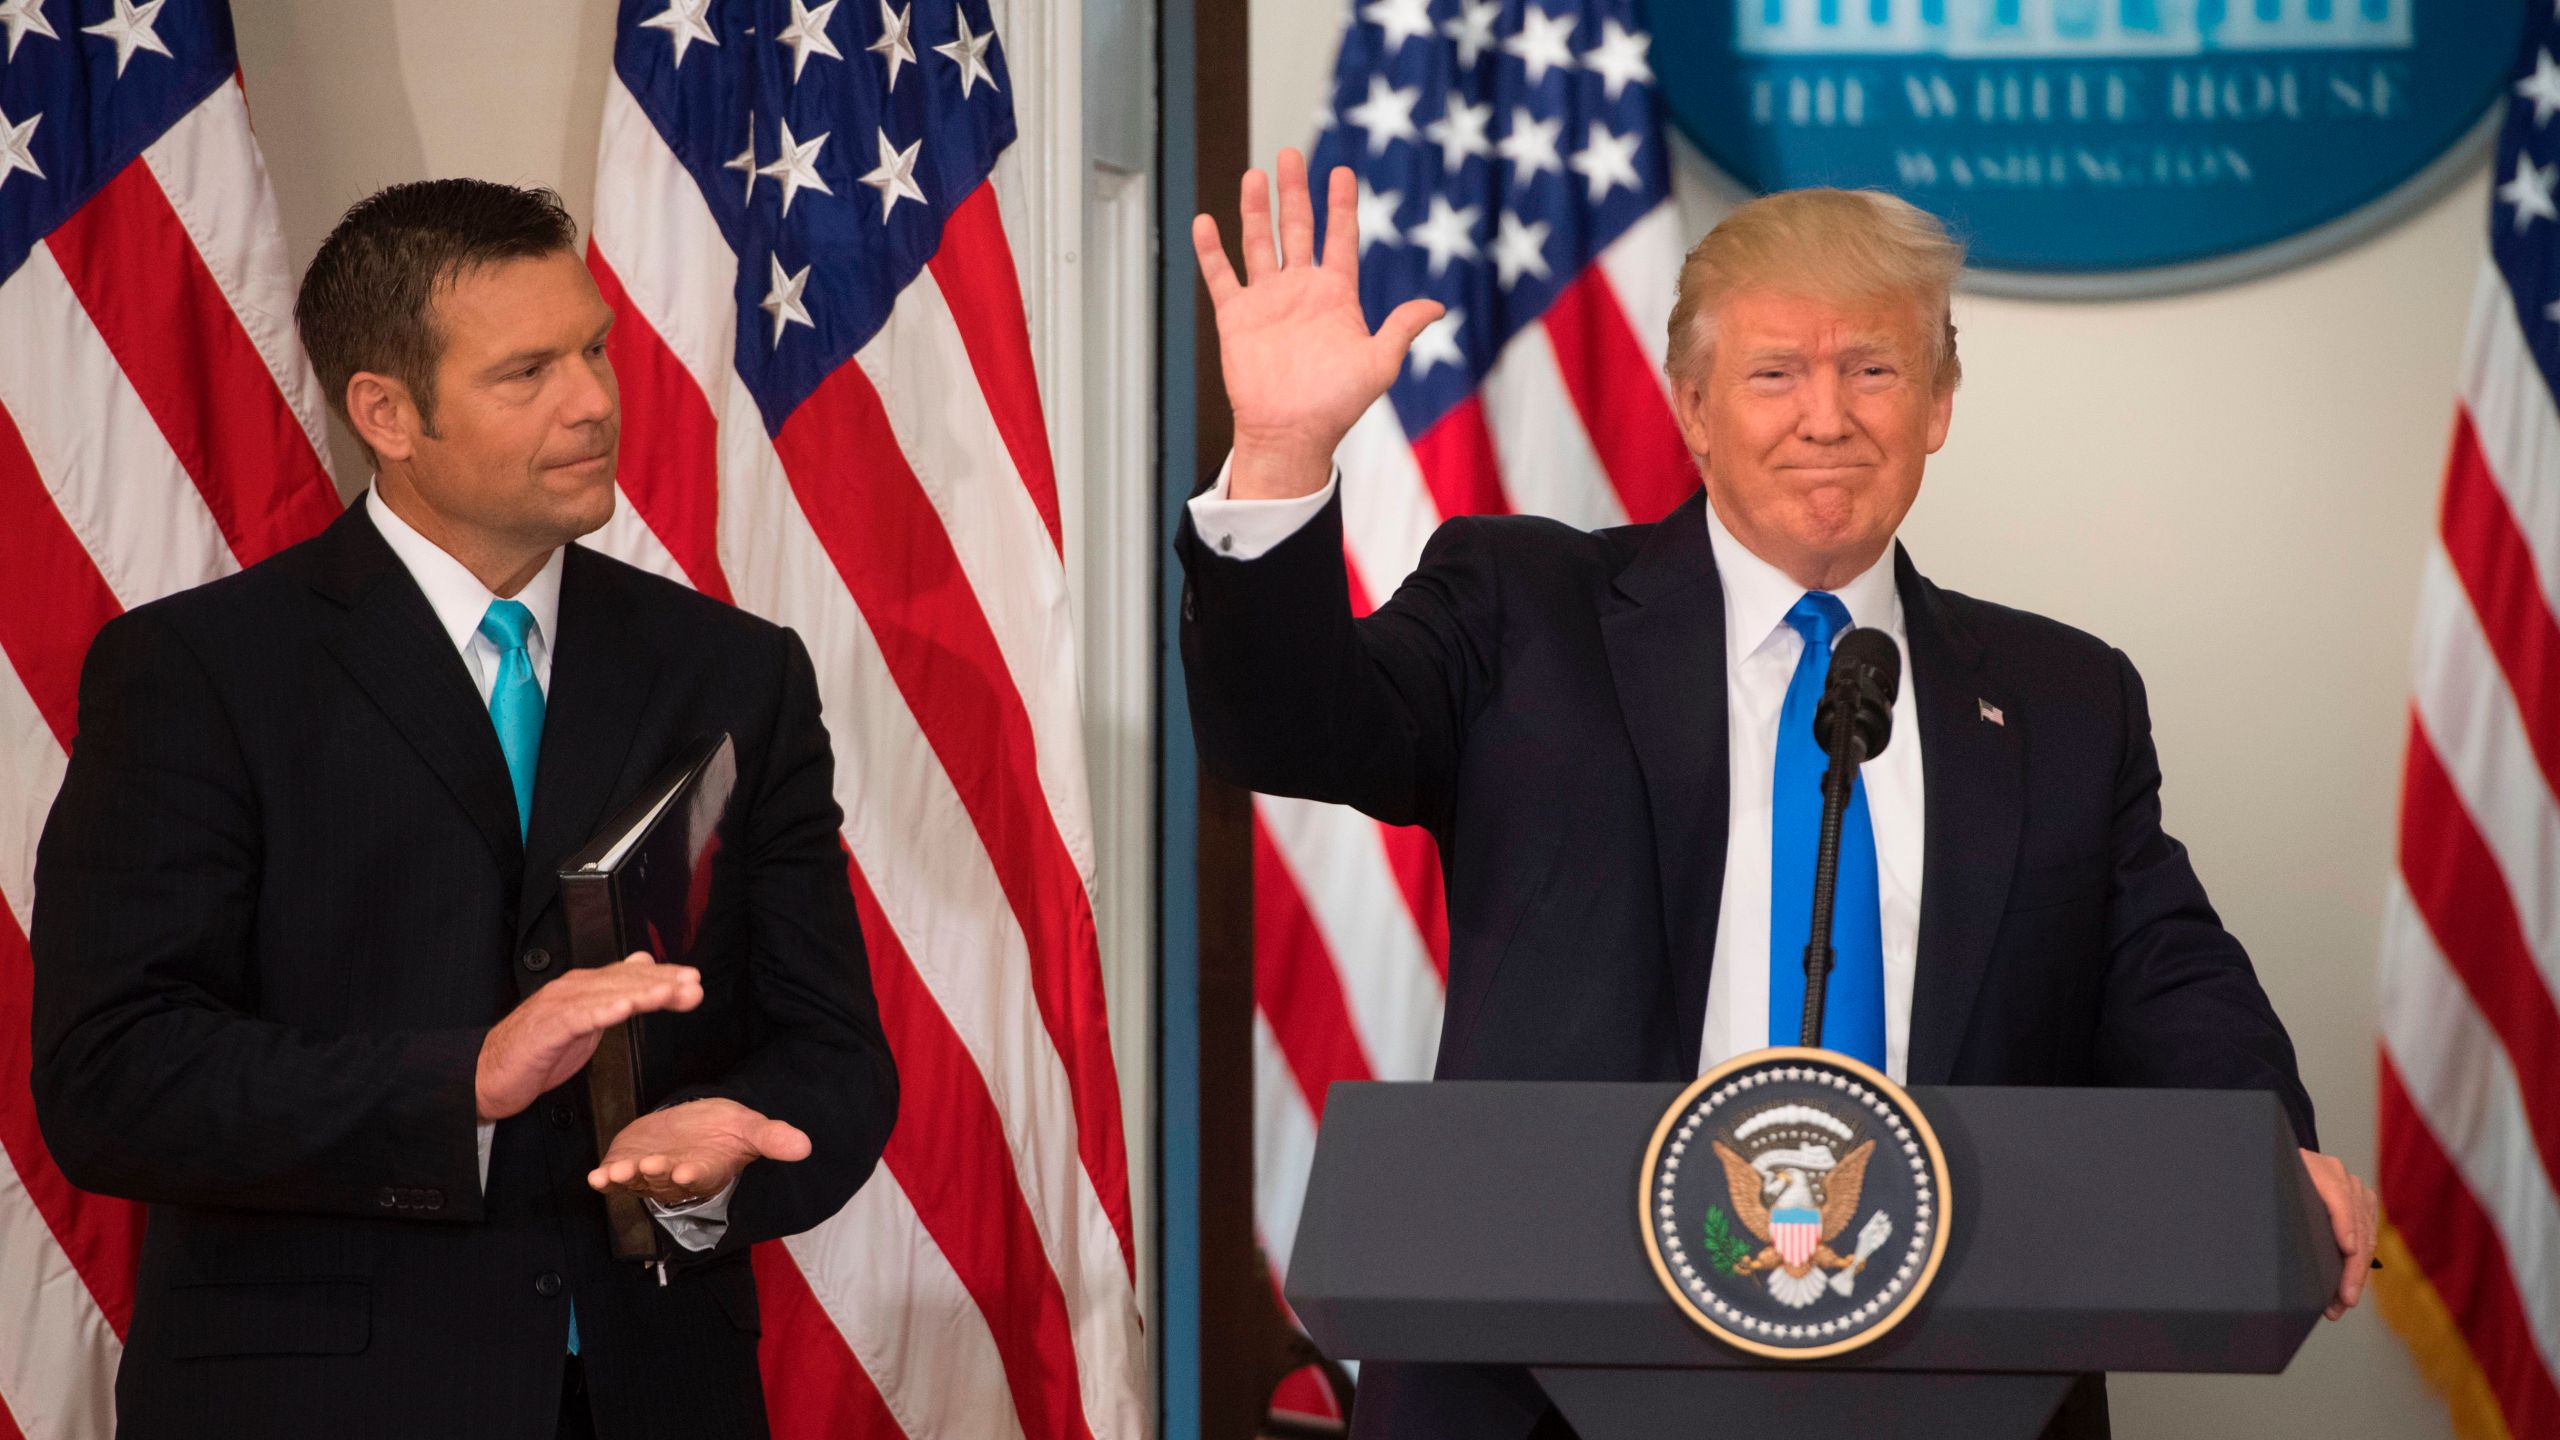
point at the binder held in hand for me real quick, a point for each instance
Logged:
(643, 883)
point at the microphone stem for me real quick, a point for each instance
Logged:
(1847, 753)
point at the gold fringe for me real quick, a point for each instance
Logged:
(2414, 1309)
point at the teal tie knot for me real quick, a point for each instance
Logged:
(1819, 617)
(506, 625)
(515, 700)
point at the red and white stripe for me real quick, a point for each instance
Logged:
(905, 523)
(2470, 1102)
(1351, 935)
(159, 428)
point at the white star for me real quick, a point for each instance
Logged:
(1545, 43)
(1447, 232)
(1438, 344)
(23, 16)
(1620, 57)
(894, 43)
(1608, 160)
(795, 164)
(2542, 87)
(782, 301)
(1531, 145)
(1461, 132)
(1387, 114)
(1472, 28)
(969, 52)
(1378, 217)
(1402, 20)
(15, 139)
(807, 35)
(896, 177)
(131, 30)
(746, 159)
(2530, 192)
(683, 21)
(1519, 249)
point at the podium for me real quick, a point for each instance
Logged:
(1496, 1222)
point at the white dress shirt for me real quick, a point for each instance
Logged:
(459, 601)
(1760, 654)
(1761, 650)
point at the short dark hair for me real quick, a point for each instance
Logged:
(367, 300)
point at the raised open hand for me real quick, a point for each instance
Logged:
(1299, 361)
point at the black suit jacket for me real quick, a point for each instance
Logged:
(1551, 704)
(283, 896)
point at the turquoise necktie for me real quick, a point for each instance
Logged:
(515, 701)
(1853, 1003)
(515, 708)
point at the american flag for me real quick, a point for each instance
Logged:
(2470, 1072)
(159, 428)
(1512, 166)
(830, 418)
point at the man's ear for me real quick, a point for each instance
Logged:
(1942, 414)
(1689, 403)
(384, 415)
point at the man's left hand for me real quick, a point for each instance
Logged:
(2355, 1218)
(693, 1151)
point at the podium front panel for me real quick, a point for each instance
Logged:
(1496, 1222)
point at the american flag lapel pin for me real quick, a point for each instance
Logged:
(1992, 713)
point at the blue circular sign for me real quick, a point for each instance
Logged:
(2088, 147)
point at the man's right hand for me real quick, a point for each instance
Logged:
(544, 1040)
(1299, 361)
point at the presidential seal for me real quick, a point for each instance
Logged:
(1795, 1203)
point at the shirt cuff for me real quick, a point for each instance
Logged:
(1251, 529)
(696, 1224)
(488, 1130)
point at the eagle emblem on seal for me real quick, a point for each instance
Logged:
(1794, 1180)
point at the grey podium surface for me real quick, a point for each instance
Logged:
(1496, 1222)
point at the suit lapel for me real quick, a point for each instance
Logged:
(1973, 775)
(389, 642)
(600, 681)
(1664, 629)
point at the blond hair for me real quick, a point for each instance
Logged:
(1842, 246)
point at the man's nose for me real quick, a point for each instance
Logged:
(1824, 419)
(591, 394)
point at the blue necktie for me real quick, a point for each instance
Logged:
(1853, 1005)
(515, 701)
(515, 708)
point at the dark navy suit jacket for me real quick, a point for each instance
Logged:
(283, 896)
(1551, 704)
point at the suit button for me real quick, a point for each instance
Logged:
(1190, 609)
(546, 1284)
(537, 959)
(431, 1199)
(387, 1198)
(559, 1114)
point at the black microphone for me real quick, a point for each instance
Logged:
(1866, 674)
(1851, 724)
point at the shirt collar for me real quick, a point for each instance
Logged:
(1758, 595)
(453, 592)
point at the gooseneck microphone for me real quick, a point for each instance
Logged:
(1852, 724)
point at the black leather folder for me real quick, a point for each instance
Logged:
(642, 884)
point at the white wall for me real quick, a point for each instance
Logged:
(2236, 488)
(352, 95)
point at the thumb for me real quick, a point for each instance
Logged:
(781, 1140)
(1407, 321)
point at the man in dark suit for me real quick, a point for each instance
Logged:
(301, 965)
(1590, 724)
